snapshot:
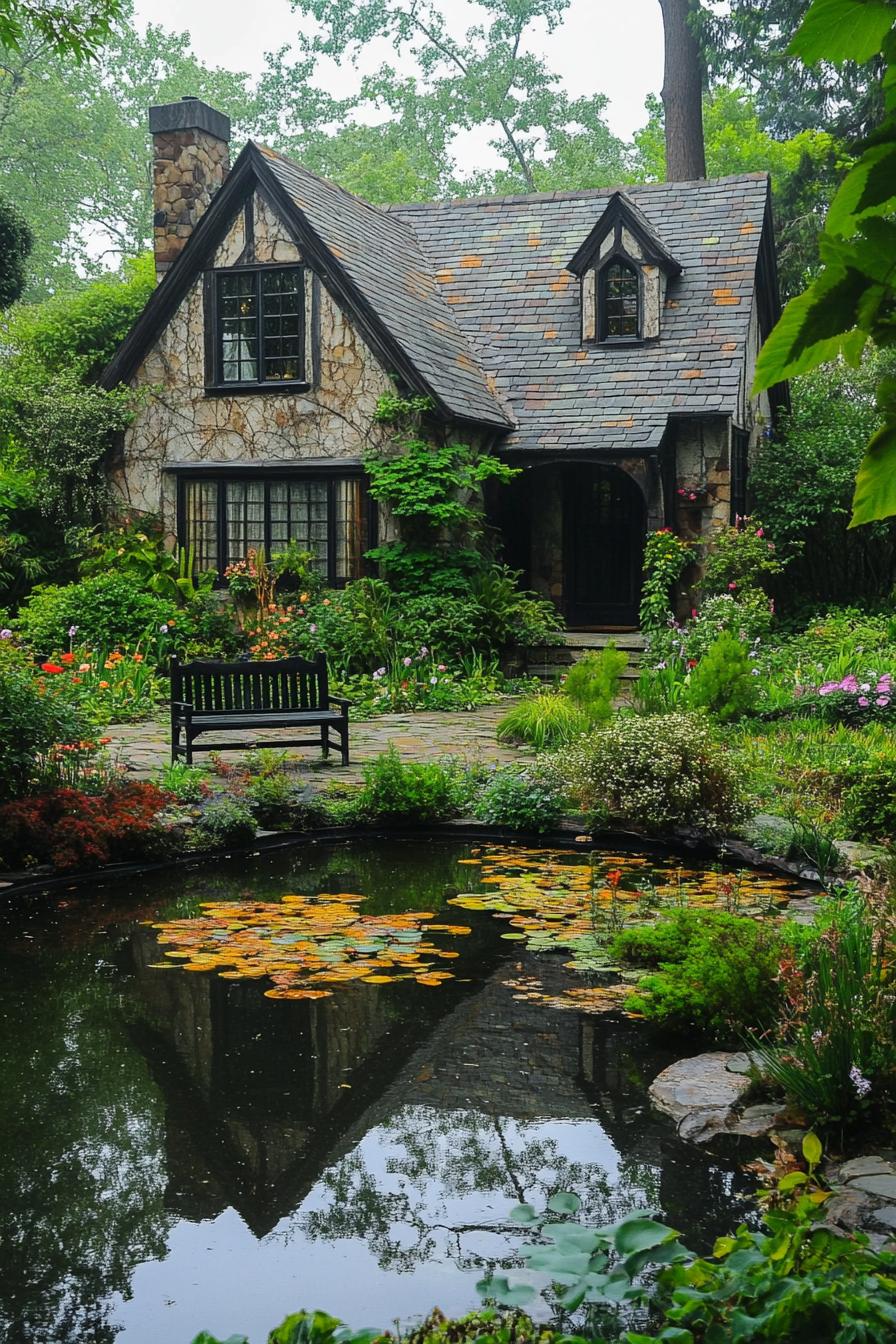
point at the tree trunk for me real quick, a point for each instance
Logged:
(682, 94)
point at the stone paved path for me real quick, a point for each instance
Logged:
(416, 737)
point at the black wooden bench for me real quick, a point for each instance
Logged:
(208, 697)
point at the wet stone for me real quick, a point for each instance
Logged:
(882, 1186)
(701, 1083)
(865, 1166)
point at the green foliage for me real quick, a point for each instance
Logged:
(544, 720)
(394, 792)
(77, 32)
(186, 783)
(835, 1047)
(723, 682)
(715, 971)
(30, 547)
(656, 773)
(16, 242)
(740, 559)
(803, 484)
(106, 611)
(869, 801)
(55, 419)
(665, 557)
(137, 548)
(434, 490)
(223, 821)
(851, 301)
(592, 683)
(31, 722)
(521, 800)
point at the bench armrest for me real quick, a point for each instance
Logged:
(341, 701)
(181, 704)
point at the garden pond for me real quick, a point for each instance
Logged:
(323, 1077)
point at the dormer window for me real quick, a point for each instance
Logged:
(623, 267)
(258, 329)
(619, 302)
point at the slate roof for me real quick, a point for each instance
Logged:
(383, 257)
(501, 264)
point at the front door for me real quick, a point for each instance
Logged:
(604, 526)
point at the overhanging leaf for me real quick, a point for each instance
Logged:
(564, 1201)
(814, 327)
(641, 1234)
(870, 185)
(875, 493)
(842, 30)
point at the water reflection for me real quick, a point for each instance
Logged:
(188, 1154)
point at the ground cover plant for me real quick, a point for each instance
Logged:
(583, 699)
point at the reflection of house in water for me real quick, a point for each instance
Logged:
(263, 1096)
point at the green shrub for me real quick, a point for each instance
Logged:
(395, 792)
(186, 783)
(31, 722)
(107, 611)
(740, 559)
(224, 821)
(715, 971)
(834, 1052)
(593, 682)
(545, 720)
(665, 557)
(723, 683)
(521, 800)
(869, 803)
(655, 773)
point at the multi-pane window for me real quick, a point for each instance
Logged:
(619, 301)
(260, 326)
(223, 519)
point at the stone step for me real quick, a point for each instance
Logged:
(550, 661)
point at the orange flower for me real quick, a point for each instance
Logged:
(104, 741)
(109, 666)
(138, 657)
(85, 667)
(614, 877)
(104, 685)
(67, 658)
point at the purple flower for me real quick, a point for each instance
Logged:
(433, 681)
(72, 631)
(883, 701)
(849, 683)
(861, 1085)
(423, 650)
(885, 685)
(407, 661)
(163, 629)
(864, 701)
(313, 628)
(828, 688)
(817, 1038)
(5, 634)
(661, 667)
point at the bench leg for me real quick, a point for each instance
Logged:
(188, 753)
(343, 733)
(324, 742)
(175, 742)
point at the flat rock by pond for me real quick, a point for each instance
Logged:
(704, 1095)
(864, 1196)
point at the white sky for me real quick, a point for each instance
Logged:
(613, 47)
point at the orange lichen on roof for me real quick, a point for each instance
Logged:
(471, 263)
(464, 361)
(581, 354)
(618, 424)
(749, 227)
(456, 298)
(550, 334)
(336, 251)
(534, 240)
(444, 277)
(721, 297)
(671, 303)
(729, 346)
(692, 373)
(562, 282)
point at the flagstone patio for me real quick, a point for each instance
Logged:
(145, 747)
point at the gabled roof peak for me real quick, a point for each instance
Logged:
(621, 212)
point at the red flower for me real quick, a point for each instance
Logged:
(614, 877)
(692, 662)
(50, 667)
(67, 658)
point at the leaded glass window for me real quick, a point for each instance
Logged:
(223, 518)
(619, 295)
(260, 326)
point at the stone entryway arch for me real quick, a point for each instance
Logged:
(577, 531)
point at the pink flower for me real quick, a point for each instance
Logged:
(441, 668)
(864, 701)
(731, 587)
(407, 661)
(760, 532)
(883, 701)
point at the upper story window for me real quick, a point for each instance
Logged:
(619, 302)
(259, 328)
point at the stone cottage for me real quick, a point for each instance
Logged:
(604, 341)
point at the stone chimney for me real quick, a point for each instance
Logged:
(190, 142)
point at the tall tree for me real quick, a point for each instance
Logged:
(16, 241)
(748, 41)
(490, 77)
(76, 30)
(682, 92)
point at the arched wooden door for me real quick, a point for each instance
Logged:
(604, 529)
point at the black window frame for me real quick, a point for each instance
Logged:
(603, 333)
(739, 471)
(267, 479)
(215, 383)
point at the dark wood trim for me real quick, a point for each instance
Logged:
(619, 211)
(214, 385)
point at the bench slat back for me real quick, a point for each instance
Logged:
(278, 686)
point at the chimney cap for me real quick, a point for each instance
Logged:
(188, 114)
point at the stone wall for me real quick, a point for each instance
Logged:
(176, 422)
(190, 163)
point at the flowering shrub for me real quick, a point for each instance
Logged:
(665, 557)
(71, 829)
(853, 699)
(656, 773)
(835, 1050)
(740, 558)
(117, 687)
(32, 721)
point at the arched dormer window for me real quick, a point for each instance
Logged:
(619, 302)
